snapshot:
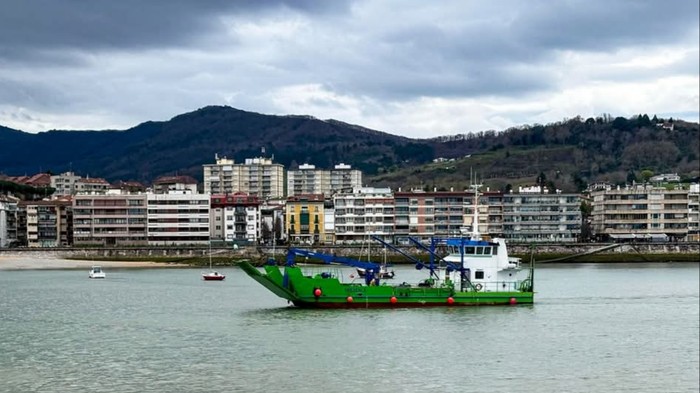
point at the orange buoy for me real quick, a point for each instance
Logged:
(393, 300)
(350, 299)
(317, 292)
(450, 300)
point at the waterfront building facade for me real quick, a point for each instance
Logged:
(178, 218)
(109, 220)
(305, 219)
(8, 221)
(46, 223)
(362, 213)
(694, 213)
(533, 216)
(641, 212)
(235, 218)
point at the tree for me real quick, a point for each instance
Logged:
(646, 175)
(541, 181)
(586, 211)
(278, 229)
(265, 231)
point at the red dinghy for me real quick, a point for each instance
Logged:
(213, 276)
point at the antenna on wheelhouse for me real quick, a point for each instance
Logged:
(475, 220)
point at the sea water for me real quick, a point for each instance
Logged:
(593, 328)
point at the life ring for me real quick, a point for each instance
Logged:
(478, 287)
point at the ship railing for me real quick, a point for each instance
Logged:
(493, 286)
(324, 272)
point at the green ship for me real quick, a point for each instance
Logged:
(473, 272)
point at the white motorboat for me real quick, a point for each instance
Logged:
(97, 272)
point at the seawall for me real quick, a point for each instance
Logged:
(542, 252)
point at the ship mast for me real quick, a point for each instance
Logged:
(475, 220)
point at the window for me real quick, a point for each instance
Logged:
(479, 275)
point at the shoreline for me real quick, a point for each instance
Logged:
(9, 263)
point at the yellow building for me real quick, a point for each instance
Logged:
(304, 219)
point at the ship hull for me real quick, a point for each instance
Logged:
(328, 292)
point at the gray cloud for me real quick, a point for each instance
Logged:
(131, 61)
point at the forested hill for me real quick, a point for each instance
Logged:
(567, 154)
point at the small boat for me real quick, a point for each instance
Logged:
(213, 276)
(97, 272)
(384, 273)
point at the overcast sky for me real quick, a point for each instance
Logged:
(411, 67)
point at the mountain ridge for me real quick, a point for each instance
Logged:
(567, 152)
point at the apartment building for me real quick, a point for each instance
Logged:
(641, 212)
(178, 218)
(167, 184)
(328, 222)
(309, 180)
(534, 216)
(45, 223)
(65, 183)
(235, 218)
(694, 213)
(362, 213)
(109, 220)
(305, 219)
(256, 176)
(94, 185)
(8, 221)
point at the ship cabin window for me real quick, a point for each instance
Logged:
(469, 250)
(479, 275)
(495, 250)
(483, 251)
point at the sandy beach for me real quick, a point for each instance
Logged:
(36, 263)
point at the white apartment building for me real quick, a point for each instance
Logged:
(236, 218)
(8, 221)
(532, 216)
(178, 218)
(65, 183)
(308, 180)
(364, 212)
(641, 212)
(257, 176)
(694, 213)
(328, 222)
